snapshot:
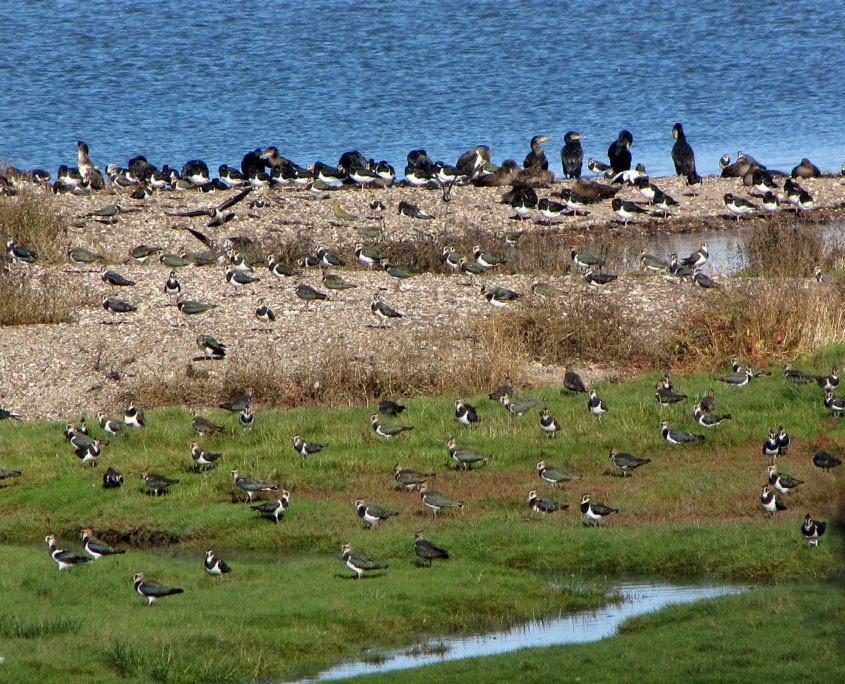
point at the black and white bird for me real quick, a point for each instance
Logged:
(595, 512)
(6, 473)
(409, 479)
(598, 278)
(553, 474)
(114, 305)
(625, 462)
(829, 382)
(387, 430)
(134, 417)
(172, 285)
(358, 562)
(95, 547)
(699, 257)
(626, 210)
(62, 557)
(595, 404)
(738, 205)
(275, 508)
(465, 413)
(464, 457)
(89, 453)
(543, 506)
(383, 311)
(678, 436)
(572, 381)
(770, 446)
(372, 514)
(114, 278)
(203, 459)
(305, 448)
(784, 440)
(770, 502)
(812, 530)
(246, 418)
(436, 500)
(252, 485)
(211, 347)
(109, 425)
(836, 405)
(548, 424)
(708, 419)
(782, 482)
(739, 378)
(151, 590)
(214, 566)
(428, 551)
(264, 313)
(665, 395)
(158, 483)
(112, 479)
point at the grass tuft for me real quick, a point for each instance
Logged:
(783, 250)
(12, 627)
(31, 223)
(27, 300)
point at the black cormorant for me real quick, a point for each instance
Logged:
(682, 153)
(571, 155)
(619, 152)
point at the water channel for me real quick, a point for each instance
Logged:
(591, 625)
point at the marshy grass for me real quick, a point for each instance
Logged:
(28, 300)
(786, 249)
(31, 222)
(12, 627)
(774, 320)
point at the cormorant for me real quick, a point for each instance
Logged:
(682, 153)
(536, 158)
(619, 152)
(571, 155)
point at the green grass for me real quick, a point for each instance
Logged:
(786, 633)
(289, 607)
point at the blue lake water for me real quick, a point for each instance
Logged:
(178, 79)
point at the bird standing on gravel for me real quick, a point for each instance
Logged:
(383, 311)
(211, 347)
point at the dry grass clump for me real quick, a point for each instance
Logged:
(791, 250)
(25, 219)
(589, 329)
(782, 317)
(25, 300)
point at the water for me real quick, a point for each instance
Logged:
(578, 628)
(177, 80)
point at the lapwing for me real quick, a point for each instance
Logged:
(383, 311)
(677, 270)
(62, 557)
(192, 308)
(596, 167)
(150, 590)
(665, 395)
(390, 408)
(97, 548)
(770, 446)
(252, 485)
(109, 425)
(595, 404)
(625, 462)
(470, 268)
(708, 401)
(739, 378)
(466, 413)
(240, 280)
(451, 258)
(594, 512)
(246, 419)
(211, 347)
(653, 263)
(264, 313)
(548, 424)
(5, 414)
(707, 419)
(829, 382)
(359, 563)
(387, 430)
(335, 282)
(598, 278)
(306, 448)
(89, 453)
(699, 257)
(372, 514)
(369, 256)
(825, 461)
(738, 205)
(796, 376)
(782, 482)
(499, 296)
(836, 405)
(464, 457)
(435, 499)
(115, 305)
(203, 460)
(543, 506)
(6, 473)
(517, 408)
(203, 426)
(585, 260)
(626, 210)
(329, 258)
(175, 260)
(280, 270)
(572, 381)
(812, 530)
(134, 417)
(238, 402)
(784, 440)
(545, 291)
(428, 551)
(112, 479)
(114, 279)
(411, 210)
(410, 479)
(678, 436)
(737, 366)
(770, 502)
(553, 474)
(485, 258)
(158, 483)
(19, 253)
(214, 566)
(80, 255)
(309, 294)
(505, 388)
(703, 280)
(275, 508)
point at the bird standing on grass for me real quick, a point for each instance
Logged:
(306, 448)
(252, 485)
(203, 460)
(465, 413)
(782, 482)
(595, 404)
(435, 500)
(158, 483)
(428, 551)
(812, 530)
(594, 512)
(410, 479)
(770, 502)
(134, 417)
(96, 548)
(548, 424)
(387, 430)
(358, 562)
(274, 509)
(62, 557)
(543, 506)
(150, 590)
(372, 514)
(554, 475)
(627, 463)
(678, 436)
(214, 566)
(464, 457)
